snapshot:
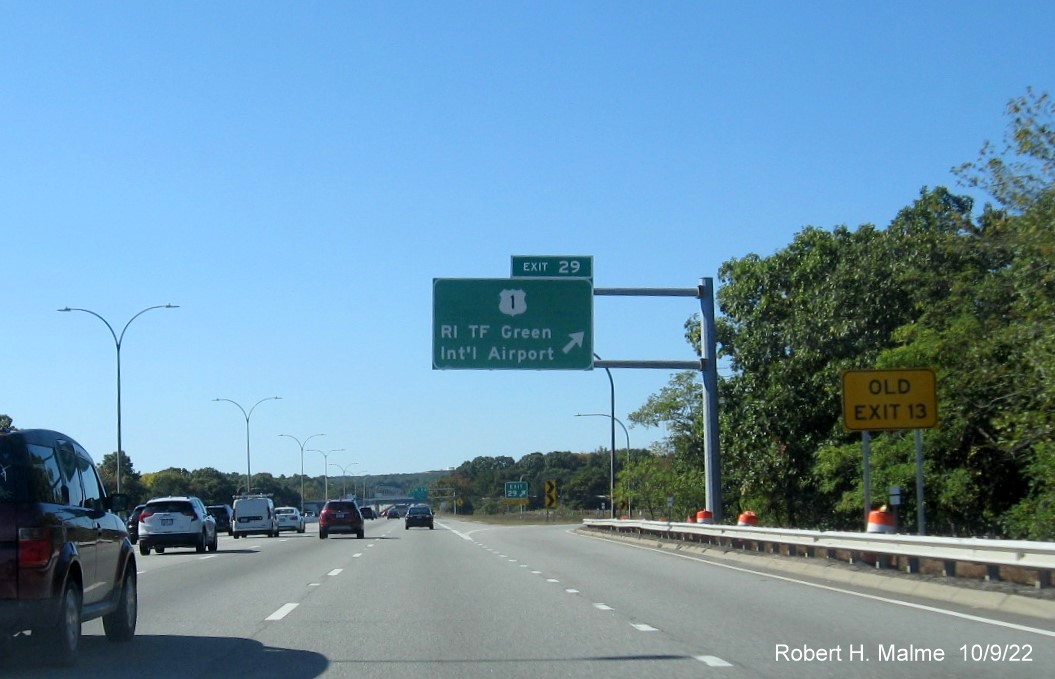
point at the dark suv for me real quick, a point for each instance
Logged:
(64, 555)
(341, 516)
(222, 514)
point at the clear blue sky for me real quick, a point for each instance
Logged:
(294, 175)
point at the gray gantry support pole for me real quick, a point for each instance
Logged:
(707, 365)
(709, 355)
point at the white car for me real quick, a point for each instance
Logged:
(176, 522)
(289, 518)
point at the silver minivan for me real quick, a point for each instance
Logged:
(254, 515)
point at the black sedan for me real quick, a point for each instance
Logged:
(418, 515)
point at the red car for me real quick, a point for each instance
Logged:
(341, 516)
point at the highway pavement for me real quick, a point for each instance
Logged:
(476, 600)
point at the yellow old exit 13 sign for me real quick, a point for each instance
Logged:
(875, 400)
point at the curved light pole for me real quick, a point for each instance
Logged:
(325, 468)
(248, 469)
(302, 464)
(620, 423)
(344, 477)
(611, 469)
(117, 343)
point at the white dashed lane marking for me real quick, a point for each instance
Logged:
(713, 661)
(709, 660)
(282, 612)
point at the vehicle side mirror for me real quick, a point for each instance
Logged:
(118, 502)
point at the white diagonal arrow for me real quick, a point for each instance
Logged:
(576, 340)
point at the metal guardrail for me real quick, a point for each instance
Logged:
(1038, 558)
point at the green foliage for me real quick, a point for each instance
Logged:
(973, 298)
(1023, 169)
(171, 481)
(131, 484)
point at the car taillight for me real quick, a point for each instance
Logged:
(34, 547)
(147, 513)
(190, 513)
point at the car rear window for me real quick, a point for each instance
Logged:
(419, 510)
(171, 507)
(341, 506)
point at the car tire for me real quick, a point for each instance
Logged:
(235, 535)
(360, 535)
(120, 625)
(430, 526)
(200, 545)
(144, 549)
(322, 533)
(64, 638)
(159, 550)
(215, 544)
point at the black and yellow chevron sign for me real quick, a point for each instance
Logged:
(551, 494)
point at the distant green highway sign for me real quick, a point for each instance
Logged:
(551, 266)
(512, 324)
(516, 490)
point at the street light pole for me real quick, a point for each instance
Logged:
(248, 468)
(615, 419)
(611, 471)
(302, 464)
(344, 477)
(117, 342)
(325, 468)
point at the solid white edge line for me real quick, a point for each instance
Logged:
(282, 612)
(463, 536)
(839, 590)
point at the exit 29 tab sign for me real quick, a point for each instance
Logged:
(512, 324)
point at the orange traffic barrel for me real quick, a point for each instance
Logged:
(704, 516)
(747, 518)
(881, 521)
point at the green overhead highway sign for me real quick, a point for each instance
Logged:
(552, 266)
(512, 324)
